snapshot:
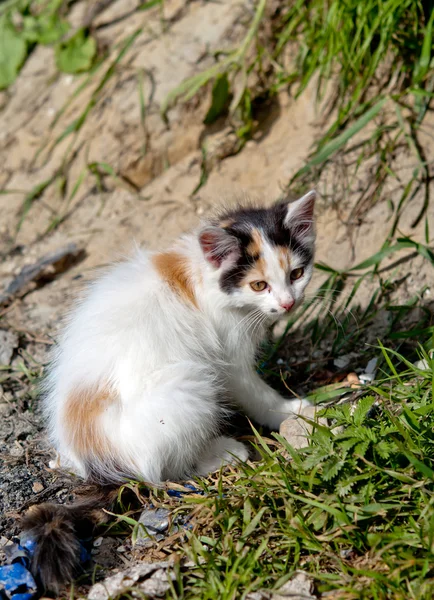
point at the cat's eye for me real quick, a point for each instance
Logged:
(258, 286)
(297, 273)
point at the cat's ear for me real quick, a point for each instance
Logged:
(299, 217)
(218, 245)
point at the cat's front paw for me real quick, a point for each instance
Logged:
(222, 451)
(287, 409)
(299, 404)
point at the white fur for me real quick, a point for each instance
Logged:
(171, 365)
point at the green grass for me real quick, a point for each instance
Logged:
(354, 508)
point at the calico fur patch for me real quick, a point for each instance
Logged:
(82, 410)
(250, 226)
(173, 268)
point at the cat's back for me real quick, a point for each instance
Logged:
(127, 312)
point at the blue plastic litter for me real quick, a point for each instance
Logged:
(176, 494)
(85, 555)
(16, 580)
(17, 583)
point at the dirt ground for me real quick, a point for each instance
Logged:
(151, 201)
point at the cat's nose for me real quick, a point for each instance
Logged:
(288, 305)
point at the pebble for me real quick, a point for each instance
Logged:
(300, 587)
(422, 365)
(353, 380)
(296, 431)
(37, 487)
(8, 343)
(97, 543)
(16, 451)
(155, 520)
(5, 409)
(341, 362)
(149, 580)
(155, 523)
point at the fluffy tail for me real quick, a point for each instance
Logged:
(56, 530)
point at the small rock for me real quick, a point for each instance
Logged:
(155, 523)
(150, 579)
(16, 450)
(296, 431)
(155, 520)
(121, 549)
(353, 380)
(366, 377)
(97, 543)
(341, 362)
(5, 409)
(300, 587)
(422, 365)
(37, 487)
(8, 343)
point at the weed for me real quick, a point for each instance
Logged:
(379, 57)
(26, 23)
(354, 508)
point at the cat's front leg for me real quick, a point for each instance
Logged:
(260, 401)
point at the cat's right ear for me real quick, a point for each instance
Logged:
(218, 245)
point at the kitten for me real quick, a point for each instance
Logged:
(152, 356)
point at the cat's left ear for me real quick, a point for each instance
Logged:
(300, 215)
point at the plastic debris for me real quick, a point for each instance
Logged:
(371, 367)
(366, 377)
(179, 494)
(16, 581)
(369, 375)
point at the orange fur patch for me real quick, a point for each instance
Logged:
(83, 408)
(255, 246)
(173, 268)
(284, 258)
